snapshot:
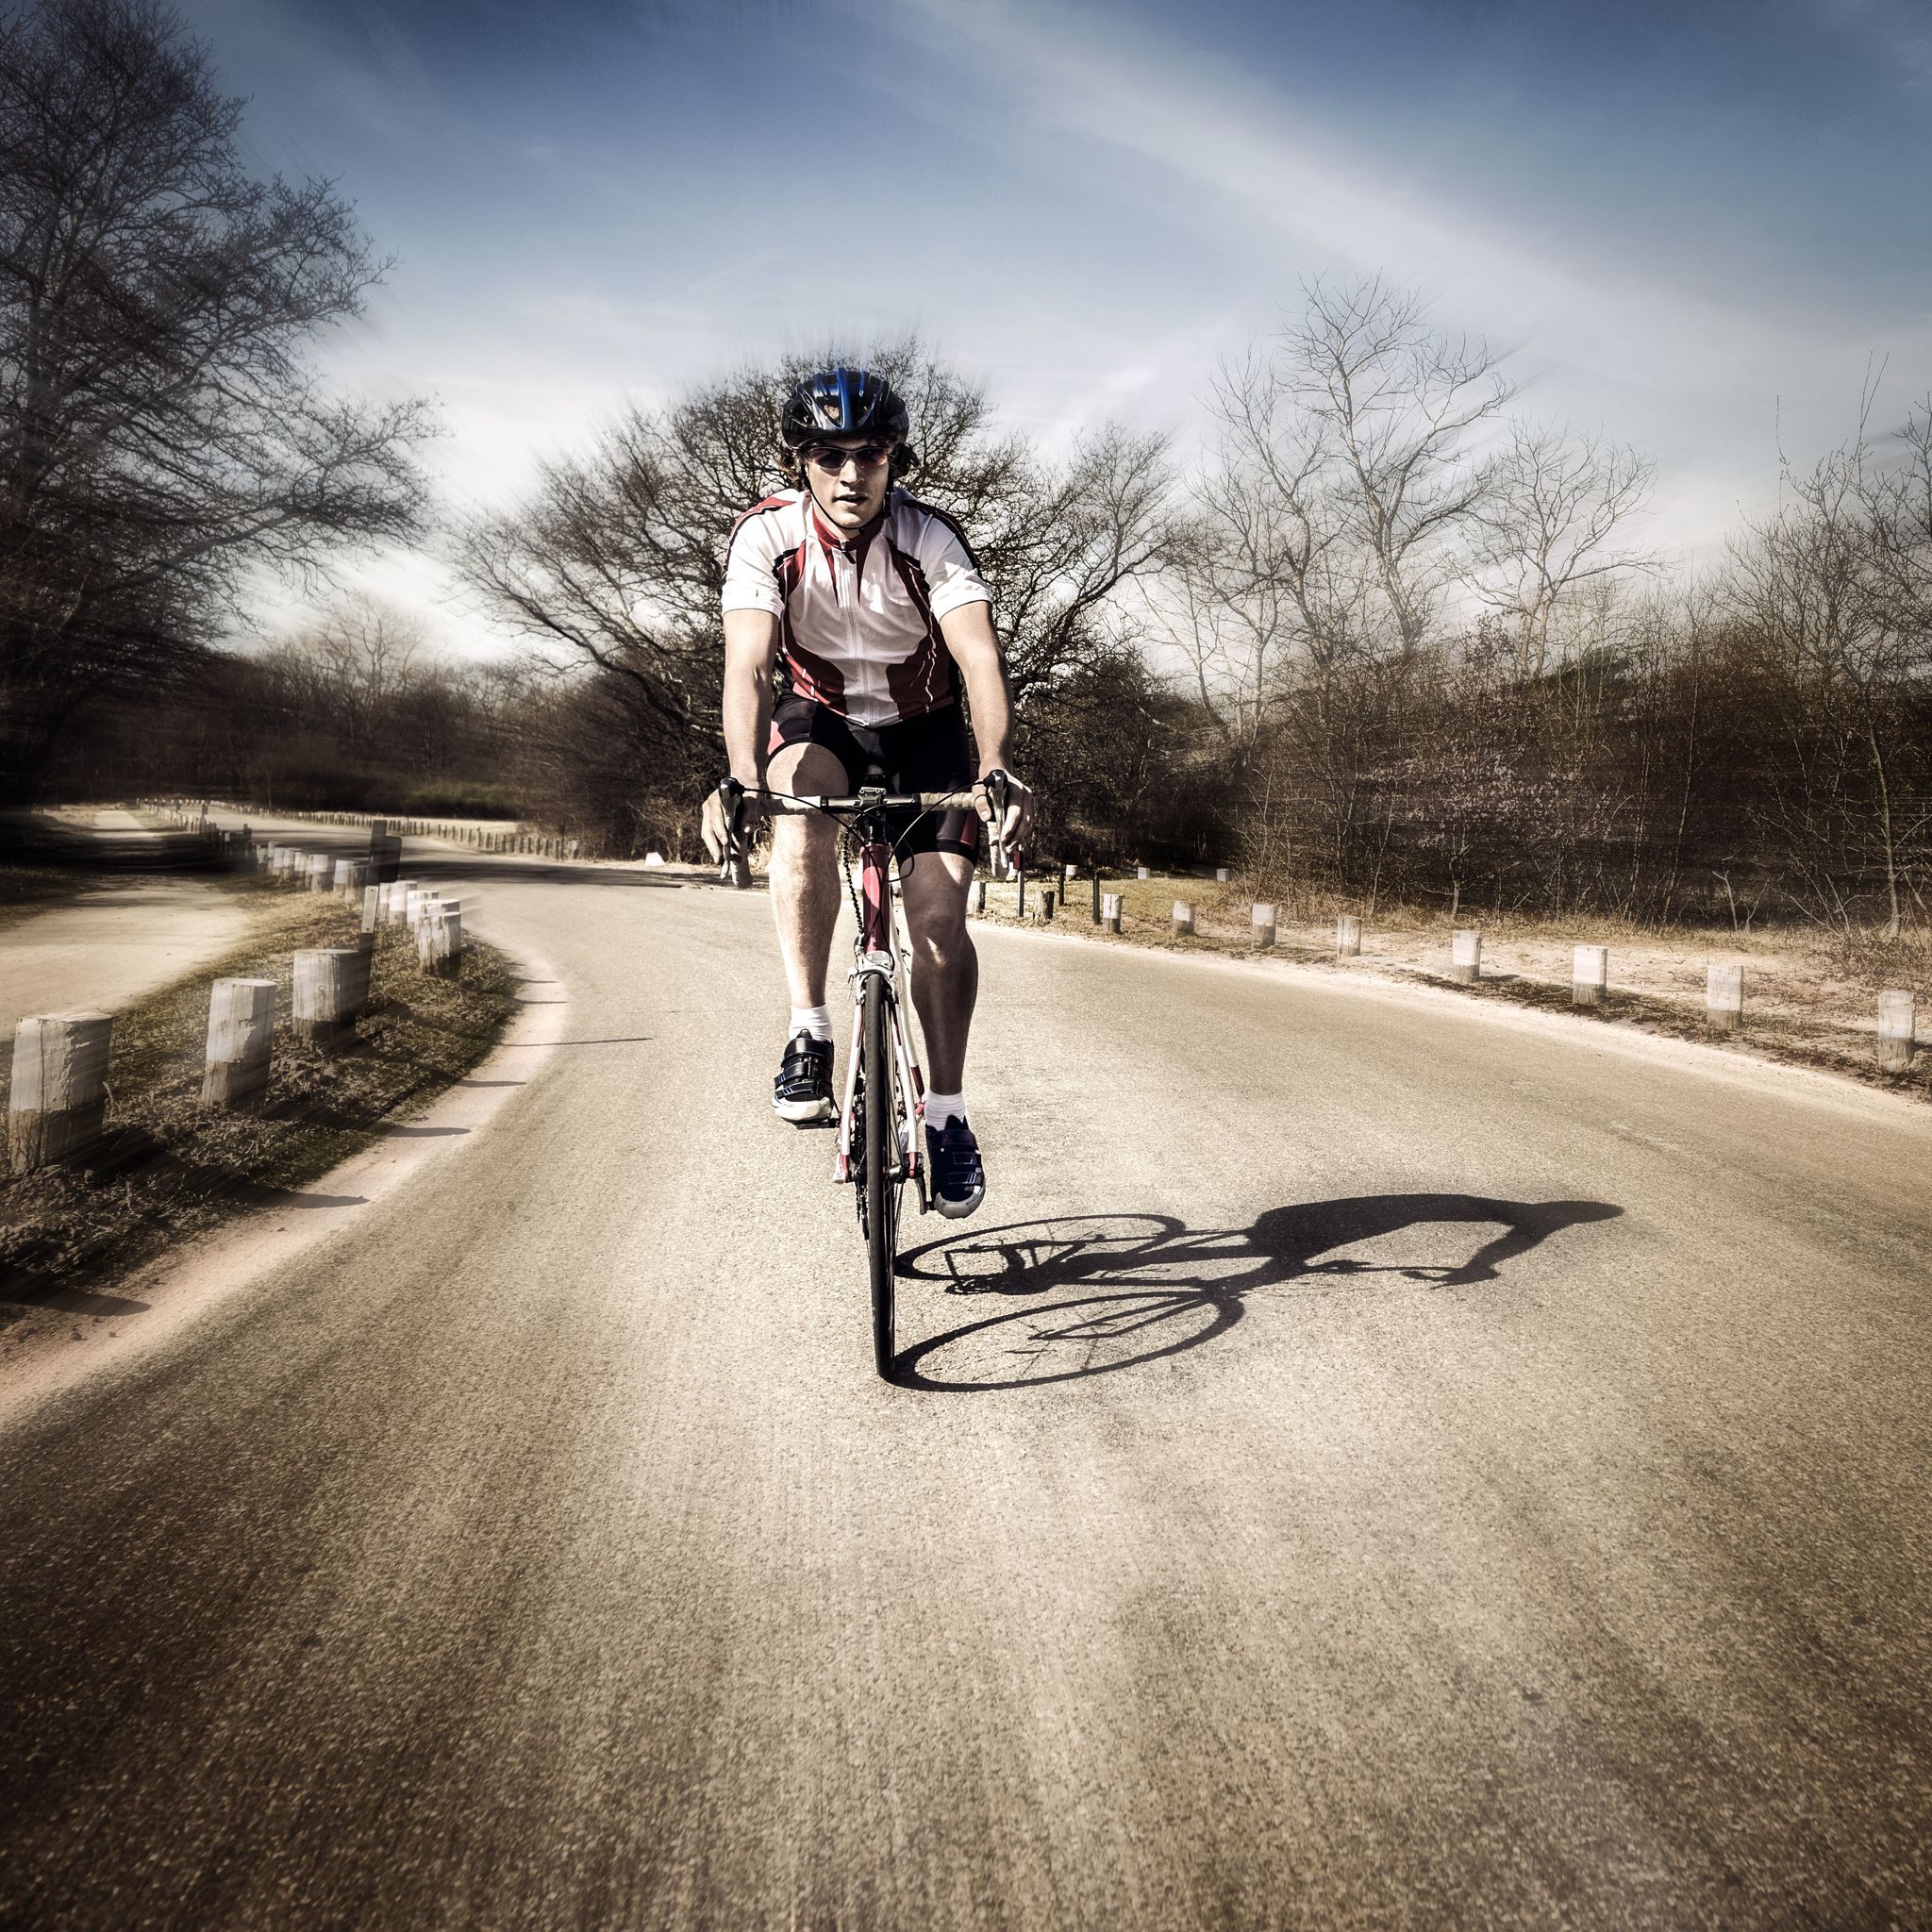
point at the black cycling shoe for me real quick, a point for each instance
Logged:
(803, 1090)
(958, 1180)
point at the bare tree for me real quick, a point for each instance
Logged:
(1833, 587)
(1392, 406)
(1548, 526)
(161, 429)
(615, 563)
(356, 664)
(1270, 589)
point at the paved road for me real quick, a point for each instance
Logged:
(118, 941)
(1370, 1464)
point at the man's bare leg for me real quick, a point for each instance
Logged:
(804, 870)
(946, 967)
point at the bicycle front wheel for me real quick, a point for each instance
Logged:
(883, 1167)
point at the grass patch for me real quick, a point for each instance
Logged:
(1808, 995)
(169, 1169)
(1798, 1040)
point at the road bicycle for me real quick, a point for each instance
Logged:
(880, 1143)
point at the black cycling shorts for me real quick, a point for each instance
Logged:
(928, 753)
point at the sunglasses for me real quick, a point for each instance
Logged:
(868, 455)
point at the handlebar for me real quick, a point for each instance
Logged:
(797, 804)
(736, 867)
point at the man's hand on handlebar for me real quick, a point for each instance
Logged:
(999, 792)
(732, 813)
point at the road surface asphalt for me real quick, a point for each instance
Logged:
(1371, 1462)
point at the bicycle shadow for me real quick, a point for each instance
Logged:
(1164, 1288)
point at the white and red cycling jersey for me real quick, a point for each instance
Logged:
(859, 619)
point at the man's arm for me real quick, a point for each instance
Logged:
(969, 635)
(751, 649)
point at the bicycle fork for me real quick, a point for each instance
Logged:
(880, 957)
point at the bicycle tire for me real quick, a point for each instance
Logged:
(881, 1190)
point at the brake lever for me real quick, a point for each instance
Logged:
(996, 783)
(734, 869)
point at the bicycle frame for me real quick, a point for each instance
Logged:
(881, 1152)
(876, 952)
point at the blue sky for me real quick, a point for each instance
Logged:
(1694, 225)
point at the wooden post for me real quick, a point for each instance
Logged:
(979, 897)
(1263, 919)
(1139, 872)
(1183, 919)
(57, 1106)
(1348, 935)
(358, 976)
(399, 891)
(339, 879)
(321, 873)
(1898, 1019)
(1466, 956)
(1589, 976)
(1723, 998)
(1110, 911)
(439, 942)
(1046, 902)
(1096, 895)
(326, 980)
(1020, 905)
(372, 908)
(241, 1042)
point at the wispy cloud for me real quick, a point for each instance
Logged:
(1336, 203)
(1694, 374)
(1900, 34)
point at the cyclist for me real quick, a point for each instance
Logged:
(872, 604)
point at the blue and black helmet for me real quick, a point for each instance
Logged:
(843, 402)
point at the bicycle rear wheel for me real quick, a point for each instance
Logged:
(882, 1167)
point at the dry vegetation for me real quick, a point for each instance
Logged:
(169, 1169)
(1811, 995)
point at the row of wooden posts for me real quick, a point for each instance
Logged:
(58, 1096)
(1723, 998)
(193, 813)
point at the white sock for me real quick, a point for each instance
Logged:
(941, 1107)
(817, 1021)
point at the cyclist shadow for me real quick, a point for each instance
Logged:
(1152, 1287)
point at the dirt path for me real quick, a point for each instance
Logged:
(117, 941)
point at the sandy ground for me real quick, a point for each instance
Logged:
(114, 943)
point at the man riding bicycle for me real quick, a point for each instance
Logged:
(873, 603)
